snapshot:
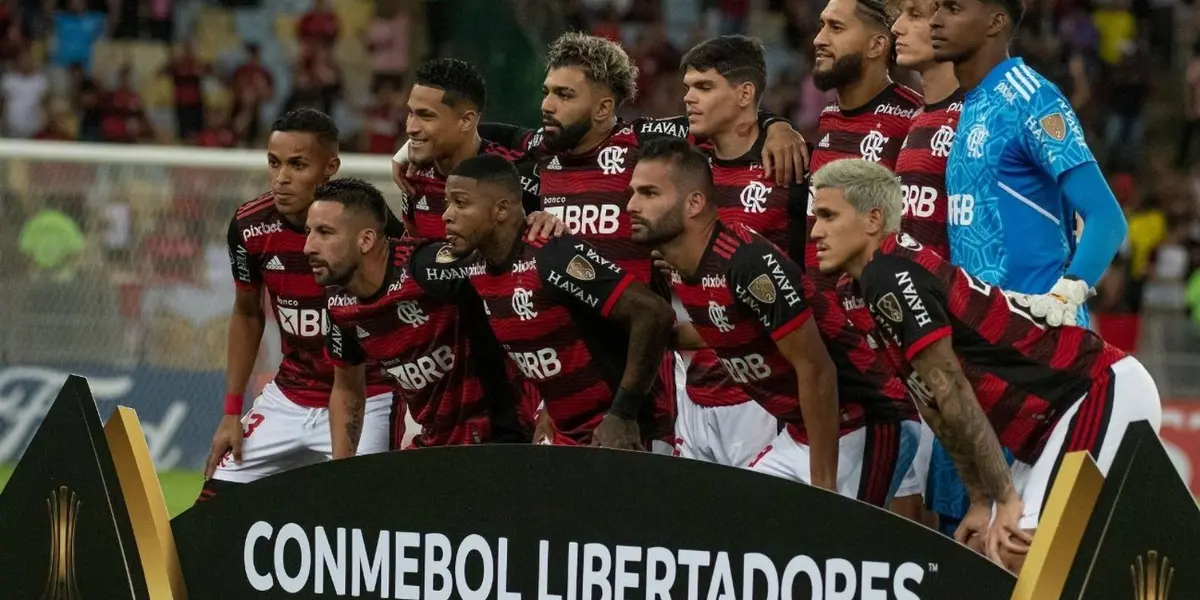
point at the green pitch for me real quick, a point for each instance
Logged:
(180, 488)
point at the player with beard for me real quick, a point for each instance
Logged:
(984, 370)
(585, 155)
(748, 302)
(587, 333)
(288, 426)
(444, 108)
(449, 367)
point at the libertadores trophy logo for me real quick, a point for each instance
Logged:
(1152, 577)
(63, 508)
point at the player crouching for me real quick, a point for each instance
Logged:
(985, 372)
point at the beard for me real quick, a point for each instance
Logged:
(336, 275)
(568, 136)
(844, 71)
(664, 230)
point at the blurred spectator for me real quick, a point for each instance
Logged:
(253, 86)
(58, 125)
(388, 40)
(608, 23)
(187, 71)
(52, 241)
(123, 117)
(383, 123)
(1191, 108)
(1128, 91)
(1147, 229)
(217, 132)
(733, 16)
(657, 61)
(11, 38)
(76, 30)
(317, 77)
(89, 104)
(1117, 27)
(25, 90)
(318, 26)
(170, 254)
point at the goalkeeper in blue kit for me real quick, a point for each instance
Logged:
(1019, 172)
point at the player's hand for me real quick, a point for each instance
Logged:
(401, 168)
(661, 264)
(784, 154)
(618, 433)
(544, 430)
(227, 439)
(544, 225)
(972, 530)
(1006, 533)
(1060, 306)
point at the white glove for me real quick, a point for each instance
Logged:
(1058, 307)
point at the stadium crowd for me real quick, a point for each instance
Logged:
(874, 362)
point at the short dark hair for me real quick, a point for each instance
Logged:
(602, 60)
(1015, 9)
(686, 162)
(310, 120)
(459, 81)
(355, 194)
(489, 168)
(736, 57)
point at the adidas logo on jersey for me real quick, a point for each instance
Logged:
(824, 142)
(422, 204)
(275, 264)
(554, 164)
(362, 333)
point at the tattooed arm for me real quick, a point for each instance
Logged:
(962, 426)
(347, 403)
(649, 320)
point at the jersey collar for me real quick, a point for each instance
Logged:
(996, 74)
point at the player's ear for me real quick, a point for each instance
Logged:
(694, 204)
(874, 221)
(367, 238)
(998, 23)
(331, 167)
(746, 94)
(605, 109)
(881, 45)
(468, 120)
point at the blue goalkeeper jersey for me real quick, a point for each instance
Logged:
(1009, 222)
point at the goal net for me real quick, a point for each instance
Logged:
(114, 266)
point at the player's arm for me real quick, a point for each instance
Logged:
(685, 337)
(785, 153)
(772, 287)
(513, 137)
(1053, 140)
(908, 300)
(348, 399)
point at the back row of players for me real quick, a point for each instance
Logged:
(815, 373)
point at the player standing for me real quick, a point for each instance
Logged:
(288, 425)
(448, 364)
(1020, 170)
(748, 302)
(985, 372)
(553, 306)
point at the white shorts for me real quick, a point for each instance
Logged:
(918, 474)
(1095, 423)
(726, 435)
(282, 435)
(872, 460)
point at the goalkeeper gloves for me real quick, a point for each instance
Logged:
(1061, 305)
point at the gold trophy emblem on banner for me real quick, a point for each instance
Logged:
(1152, 578)
(63, 508)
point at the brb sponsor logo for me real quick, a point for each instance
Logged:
(303, 322)
(918, 201)
(346, 562)
(418, 374)
(589, 219)
(745, 369)
(540, 364)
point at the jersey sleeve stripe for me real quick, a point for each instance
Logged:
(792, 325)
(925, 341)
(246, 287)
(616, 295)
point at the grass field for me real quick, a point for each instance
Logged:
(180, 488)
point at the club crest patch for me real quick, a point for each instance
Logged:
(581, 269)
(1055, 126)
(444, 255)
(889, 307)
(762, 289)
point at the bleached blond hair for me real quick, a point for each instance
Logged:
(865, 185)
(603, 61)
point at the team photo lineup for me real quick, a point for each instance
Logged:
(894, 310)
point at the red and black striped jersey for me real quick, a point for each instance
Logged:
(448, 365)
(423, 210)
(265, 250)
(922, 170)
(549, 310)
(874, 131)
(1025, 375)
(747, 294)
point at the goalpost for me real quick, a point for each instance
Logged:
(113, 259)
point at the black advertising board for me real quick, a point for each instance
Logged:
(65, 532)
(1141, 541)
(513, 522)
